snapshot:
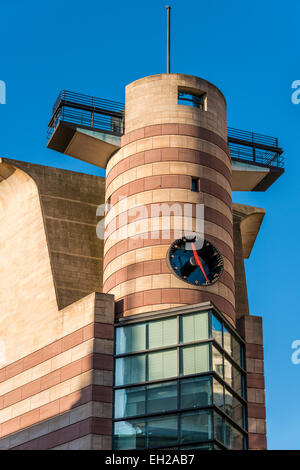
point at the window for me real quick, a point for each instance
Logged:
(217, 330)
(195, 185)
(130, 370)
(192, 99)
(162, 431)
(162, 365)
(217, 359)
(235, 408)
(219, 427)
(196, 426)
(218, 394)
(162, 333)
(130, 402)
(195, 393)
(195, 359)
(131, 339)
(130, 435)
(162, 397)
(234, 438)
(194, 327)
(179, 381)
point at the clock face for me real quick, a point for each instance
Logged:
(195, 261)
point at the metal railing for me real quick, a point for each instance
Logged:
(89, 112)
(254, 148)
(253, 137)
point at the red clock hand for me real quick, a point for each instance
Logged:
(198, 261)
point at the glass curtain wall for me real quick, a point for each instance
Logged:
(179, 381)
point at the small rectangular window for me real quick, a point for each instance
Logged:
(191, 99)
(195, 185)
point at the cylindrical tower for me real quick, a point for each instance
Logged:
(174, 154)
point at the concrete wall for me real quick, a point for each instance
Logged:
(56, 365)
(65, 203)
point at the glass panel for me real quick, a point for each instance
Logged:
(243, 356)
(238, 412)
(219, 424)
(194, 327)
(234, 408)
(234, 438)
(227, 341)
(228, 402)
(163, 431)
(130, 402)
(196, 426)
(218, 394)
(216, 330)
(130, 338)
(236, 350)
(237, 381)
(195, 392)
(162, 333)
(217, 359)
(129, 435)
(162, 364)
(162, 397)
(130, 370)
(195, 359)
(228, 372)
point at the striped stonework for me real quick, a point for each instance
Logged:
(166, 145)
(250, 327)
(60, 396)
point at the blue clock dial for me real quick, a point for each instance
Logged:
(194, 261)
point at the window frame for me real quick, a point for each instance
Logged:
(210, 373)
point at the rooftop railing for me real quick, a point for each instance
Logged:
(77, 109)
(254, 148)
(89, 112)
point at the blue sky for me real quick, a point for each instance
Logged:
(249, 50)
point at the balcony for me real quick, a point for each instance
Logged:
(90, 129)
(88, 112)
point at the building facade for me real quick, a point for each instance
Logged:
(127, 294)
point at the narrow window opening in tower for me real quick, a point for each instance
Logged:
(195, 185)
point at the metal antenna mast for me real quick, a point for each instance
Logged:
(168, 38)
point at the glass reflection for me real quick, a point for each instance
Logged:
(195, 392)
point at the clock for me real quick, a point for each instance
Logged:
(195, 261)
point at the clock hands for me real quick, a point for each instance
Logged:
(197, 259)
